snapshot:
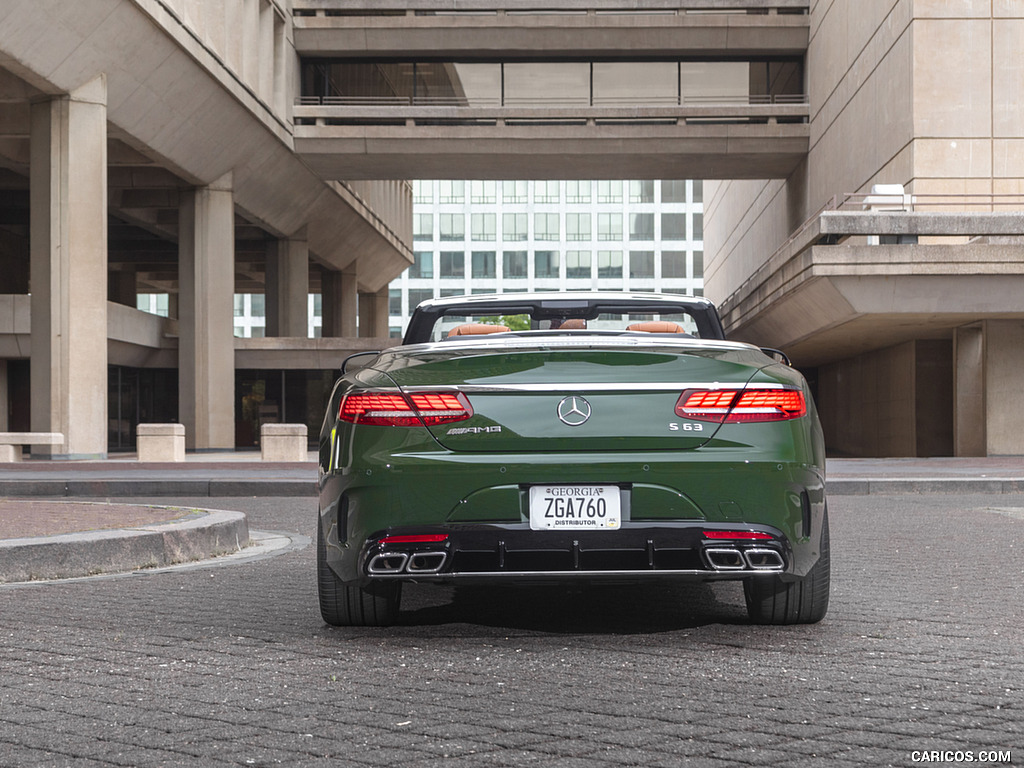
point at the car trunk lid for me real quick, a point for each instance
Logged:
(560, 400)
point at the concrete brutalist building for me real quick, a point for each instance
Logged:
(869, 157)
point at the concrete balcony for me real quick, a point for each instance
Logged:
(587, 28)
(830, 294)
(392, 139)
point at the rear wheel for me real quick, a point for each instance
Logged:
(773, 601)
(344, 605)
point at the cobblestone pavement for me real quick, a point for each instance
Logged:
(921, 651)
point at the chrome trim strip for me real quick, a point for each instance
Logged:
(604, 574)
(573, 387)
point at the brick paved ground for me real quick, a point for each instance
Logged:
(37, 517)
(922, 650)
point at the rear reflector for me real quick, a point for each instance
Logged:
(422, 538)
(738, 535)
(394, 409)
(741, 405)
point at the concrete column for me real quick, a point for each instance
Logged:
(206, 346)
(121, 286)
(340, 302)
(373, 314)
(288, 288)
(1004, 371)
(4, 398)
(989, 367)
(68, 251)
(969, 390)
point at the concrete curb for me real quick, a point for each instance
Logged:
(908, 485)
(147, 488)
(124, 549)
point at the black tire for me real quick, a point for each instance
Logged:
(773, 601)
(344, 605)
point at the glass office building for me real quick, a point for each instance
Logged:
(515, 236)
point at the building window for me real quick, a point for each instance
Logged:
(698, 226)
(609, 264)
(577, 264)
(545, 264)
(577, 226)
(418, 295)
(698, 264)
(609, 226)
(641, 264)
(453, 226)
(673, 226)
(422, 265)
(453, 264)
(423, 226)
(423, 192)
(484, 226)
(698, 191)
(577, 191)
(239, 305)
(483, 192)
(609, 191)
(641, 191)
(514, 226)
(673, 264)
(545, 226)
(545, 192)
(515, 191)
(483, 264)
(641, 226)
(452, 192)
(673, 191)
(514, 264)
(395, 301)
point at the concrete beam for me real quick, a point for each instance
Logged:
(578, 29)
(645, 151)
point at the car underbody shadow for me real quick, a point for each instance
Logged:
(585, 608)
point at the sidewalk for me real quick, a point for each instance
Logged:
(89, 537)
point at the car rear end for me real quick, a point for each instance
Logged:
(573, 462)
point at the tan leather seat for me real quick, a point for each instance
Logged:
(476, 329)
(656, 326)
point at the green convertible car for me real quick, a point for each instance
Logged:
(571, 437)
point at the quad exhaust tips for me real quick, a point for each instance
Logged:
(391, 563)
(733, 559)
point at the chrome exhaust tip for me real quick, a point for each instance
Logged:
(388, 562)
(725, 559)
(763, 559)
(426, 562)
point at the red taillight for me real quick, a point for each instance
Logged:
(421, 538)
(394, 409)
(742, 405)
(738, 535)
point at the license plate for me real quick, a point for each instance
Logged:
(564, 507)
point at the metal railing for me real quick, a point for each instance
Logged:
(371, 8)
(798, 100)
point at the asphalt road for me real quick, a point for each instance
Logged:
(922, 651)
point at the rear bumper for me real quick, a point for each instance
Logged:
(515, 553)
(482, 502)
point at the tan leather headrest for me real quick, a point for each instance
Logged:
(476, 329)
(573, 324)
(656, 326)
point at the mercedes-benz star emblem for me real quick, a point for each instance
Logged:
(573, 410)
